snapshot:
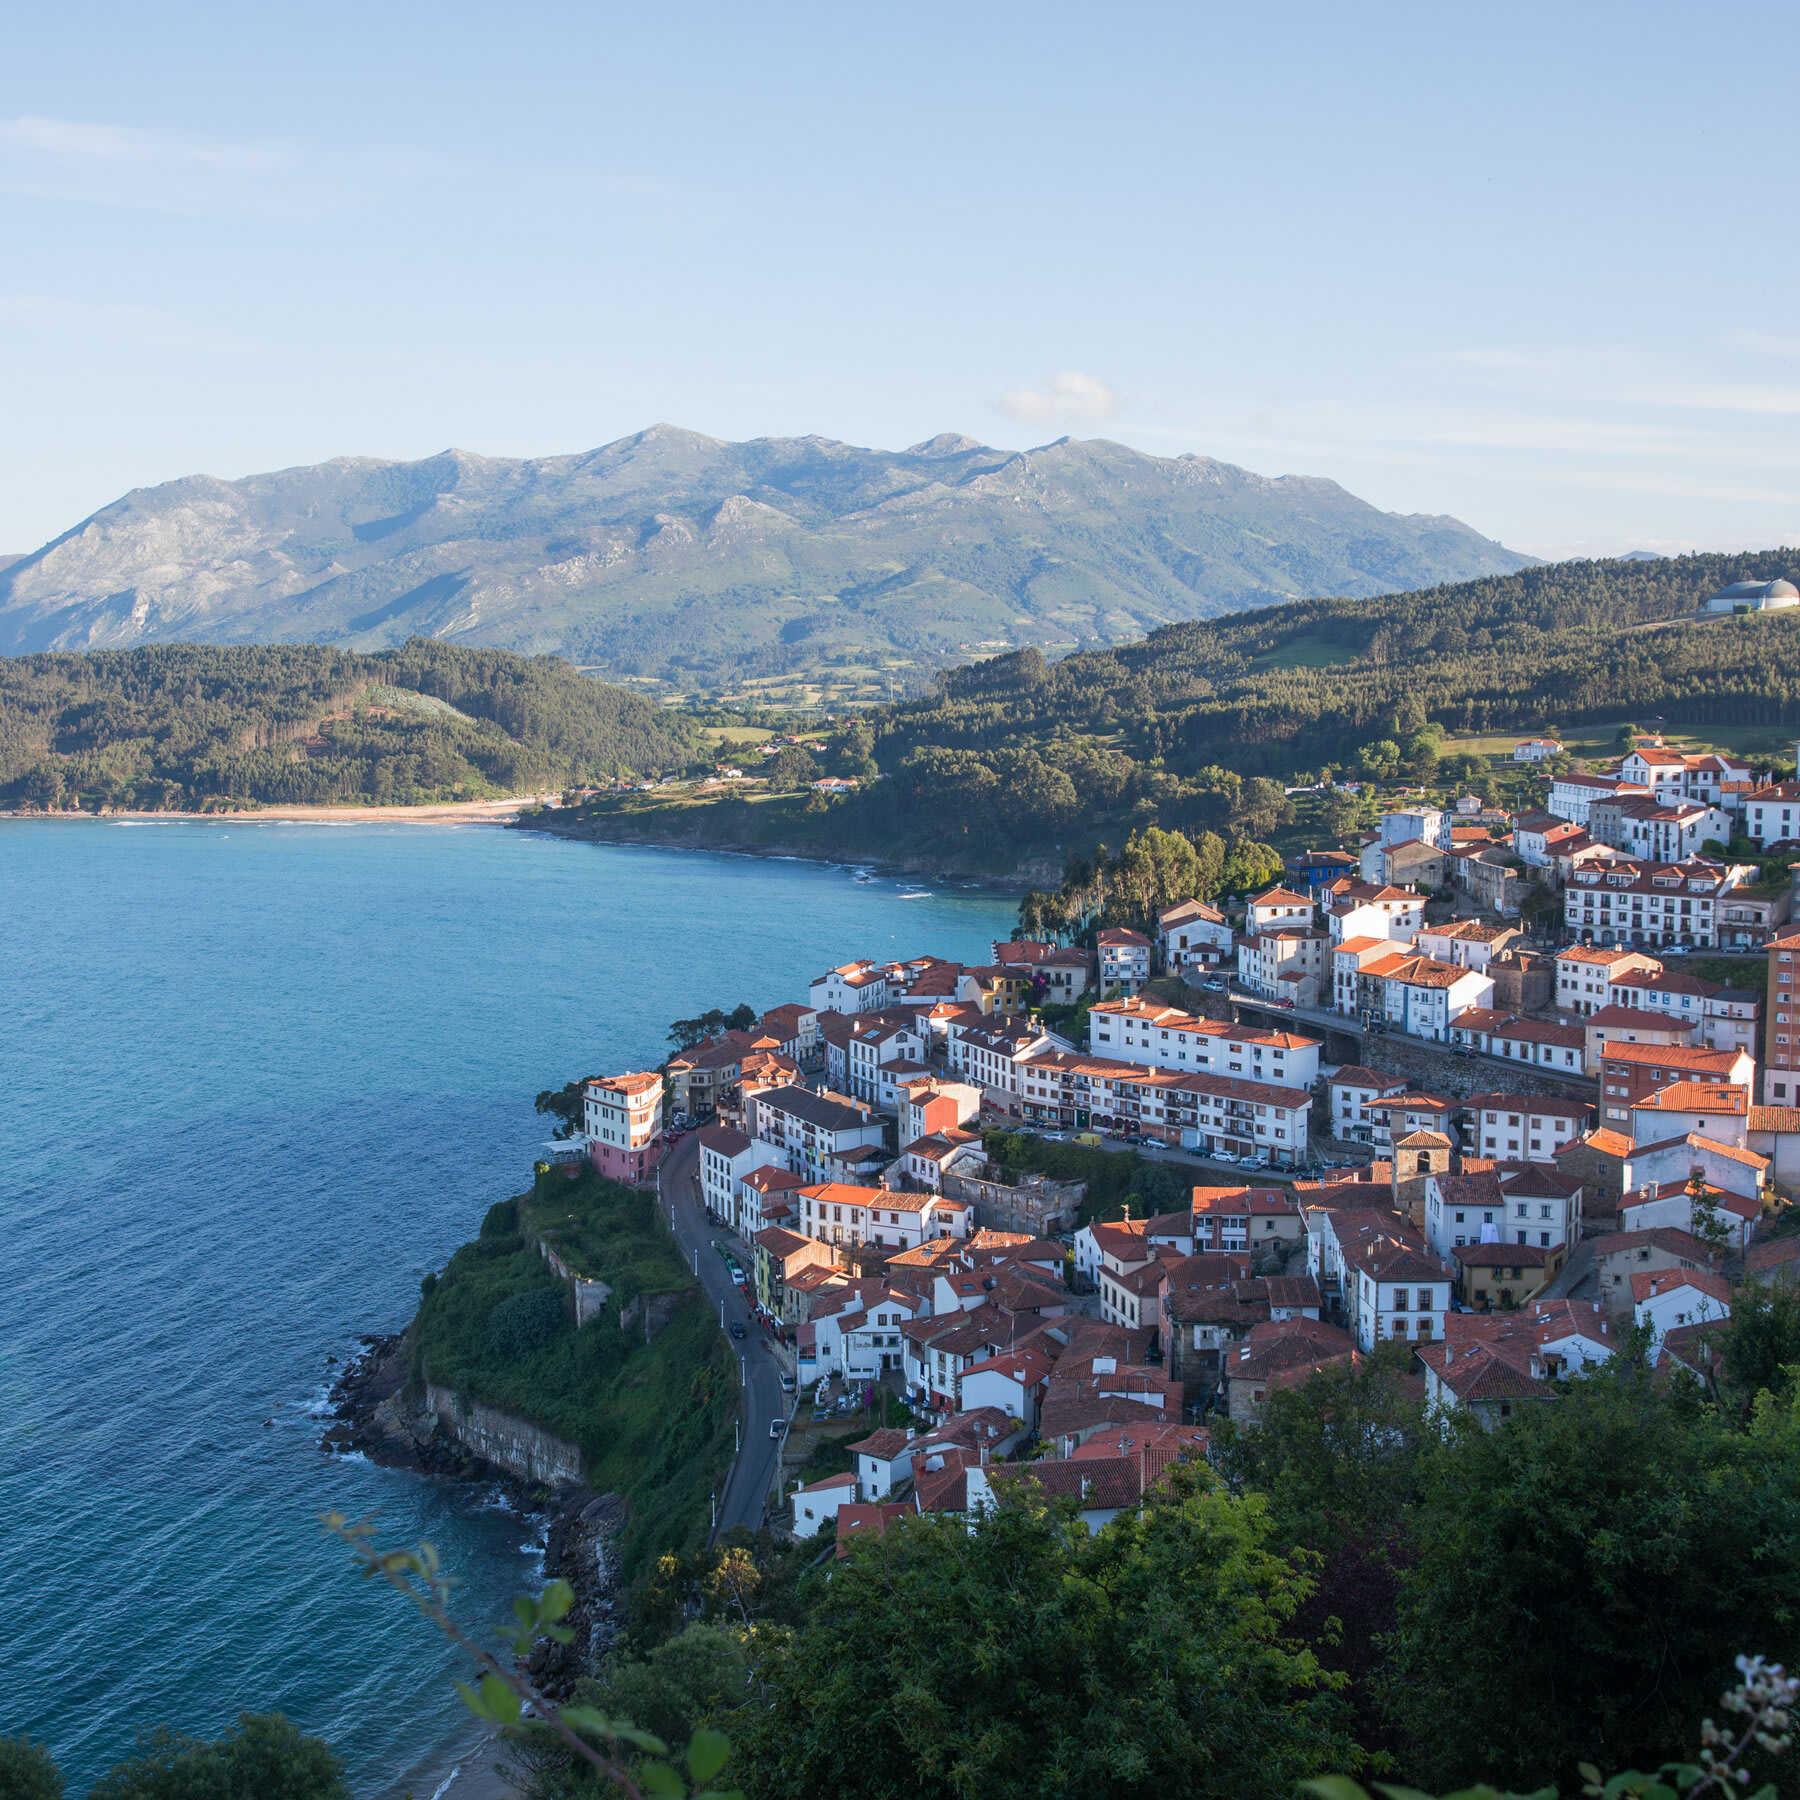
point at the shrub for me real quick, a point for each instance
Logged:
(501, 1219)
(26, 1771)
(525, 1323)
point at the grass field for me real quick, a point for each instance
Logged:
(1305, 653)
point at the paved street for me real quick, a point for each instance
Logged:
(753, 1474)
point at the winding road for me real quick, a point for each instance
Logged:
(753, 1473)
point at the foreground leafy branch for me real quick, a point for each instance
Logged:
(1765, 1700)
(506, 1700)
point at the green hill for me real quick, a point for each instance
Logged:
(1019, 760)
(187, 726)
(676, 557)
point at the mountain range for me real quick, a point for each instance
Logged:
(684, 559)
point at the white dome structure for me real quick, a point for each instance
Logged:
(1753, 596)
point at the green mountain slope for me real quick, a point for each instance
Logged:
(181, 726)
(675, 556)
(1019, 761)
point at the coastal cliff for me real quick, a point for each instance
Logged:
(563, 1352)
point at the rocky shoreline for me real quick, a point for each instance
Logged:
(371, 1416)
(591, 831)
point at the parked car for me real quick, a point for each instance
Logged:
(737, 1328)
(776, 1427)
(787, 1384)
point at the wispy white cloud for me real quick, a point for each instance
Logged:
(1766, 343)
(76, 162)
(1070, 397)
(116, 321)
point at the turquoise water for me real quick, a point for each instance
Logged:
(255, 1080)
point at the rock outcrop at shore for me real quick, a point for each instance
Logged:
(429, 1435)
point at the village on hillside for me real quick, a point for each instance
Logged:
(1382, 1110)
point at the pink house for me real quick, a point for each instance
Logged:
(622, 1116)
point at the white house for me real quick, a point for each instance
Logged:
(1393, 1291)
(811, 1131)
(622, 1121)
(854, 987)
(1666, 1299)
(817, 1505)
(1354, 1090)
(1585, 976)
(1013, 1381)
(1531, 750)
(1193, 935)
(1276, 907)
(1523, 1127)
(1658, 1190)
(1772, 814)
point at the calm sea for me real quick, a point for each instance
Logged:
(255, 1080)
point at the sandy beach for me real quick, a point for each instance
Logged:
(465, 812)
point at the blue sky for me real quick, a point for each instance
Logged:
(1527, 265)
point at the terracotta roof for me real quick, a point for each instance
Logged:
(1668, 1238)
(1774, 1118)
(780, 1243)
(771, 1178)
(724, 1139)
(1538, 1181)
(1094, 1482)
(1608, 1143)
(1776, 1253)
(1485, 1256)
(1550, 1105)
(846, 1479)
(1696, 1097)
(884, 1445)
(1650, 1284)
(1671, 1056)
(1480, 1372)
(1355, 1075)
(865, 1520)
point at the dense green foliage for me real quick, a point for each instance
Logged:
(262, 1758)
(1197, 727)
(1024, 1658)
(651, 1412)
(187, 726)
(27, 1771)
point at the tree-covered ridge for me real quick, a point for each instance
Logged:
(1314, 680)
(1199, 727)
(186, 726)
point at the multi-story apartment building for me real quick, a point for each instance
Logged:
(1648, 903)
(880, 1052)
(1165, 1037)
(1572, 795)
(1522, 1127)
(990, 1056)
(1124, 959)
(1203, 1111)
(622, 1120)
(853, 987)
(1670, 775)
(812, 1132)
(1781, 1059)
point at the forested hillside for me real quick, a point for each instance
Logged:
(185, 726)
(1198, 726)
